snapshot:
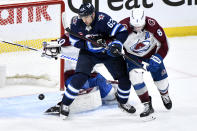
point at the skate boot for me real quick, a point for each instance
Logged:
(166, 101)
(64, 111)
(54, 109)
(148, 109)
(125, 107)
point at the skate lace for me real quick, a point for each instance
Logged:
(166, 99)
(146, 107)
(127, 106)
(65, 108)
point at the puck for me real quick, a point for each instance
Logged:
(41, 97)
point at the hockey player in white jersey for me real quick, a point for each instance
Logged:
(147, 42)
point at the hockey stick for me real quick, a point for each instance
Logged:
(105, 46)
(27, 47)
(62, 56)
(84, 38)
(112, 82)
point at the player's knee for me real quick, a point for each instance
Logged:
(100, 78)
(136, 77)
(162, 84)
(79, 80)
(124, 81)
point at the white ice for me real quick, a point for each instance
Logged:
(26, 112)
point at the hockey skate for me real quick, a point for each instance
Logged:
(148, 109)
(64, 111)
(166, 101)
(146, 115)
(54, 109)
(125, 107)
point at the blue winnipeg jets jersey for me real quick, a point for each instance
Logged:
(103, 25)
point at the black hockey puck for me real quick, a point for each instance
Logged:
(41, 96)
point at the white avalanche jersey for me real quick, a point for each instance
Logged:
(140, 44)
(150, 41)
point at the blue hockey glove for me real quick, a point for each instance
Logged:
(154, 63)
(114, 48)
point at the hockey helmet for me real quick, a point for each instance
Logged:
(86, 9)
(137, 19)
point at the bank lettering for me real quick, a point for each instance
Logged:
(16, 15)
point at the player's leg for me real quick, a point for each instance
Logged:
(117, 67)
(161, 81)
(83, 70)
(106, 90)
(136, 77)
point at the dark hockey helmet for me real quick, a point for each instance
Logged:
(86, 9)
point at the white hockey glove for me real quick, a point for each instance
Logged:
(51, 49)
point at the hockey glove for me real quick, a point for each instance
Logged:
(51, 49)
(99, 40)
(154, 63)
(100, 43)
(114, 48)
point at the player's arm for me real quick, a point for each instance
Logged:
(163, 50)
(115, 29)
(156, 59)
(119, 32)
(159, 34)
(126, 23)
(76, 42)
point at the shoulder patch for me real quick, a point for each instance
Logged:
(151, 22)
(74, 20)
(101, 17)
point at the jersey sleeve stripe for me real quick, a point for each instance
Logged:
(72, 40)
(122, 29)
(92, 49)
(115, 29)
(117, 42)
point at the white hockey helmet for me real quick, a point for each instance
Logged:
(137, 19)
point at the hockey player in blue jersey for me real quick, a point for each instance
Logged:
(99, 27)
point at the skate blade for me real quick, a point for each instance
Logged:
(130, 114)
(51, 113)
(113, 102)
(148, 118)
(63, 117)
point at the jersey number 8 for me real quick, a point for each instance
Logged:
(159, 32)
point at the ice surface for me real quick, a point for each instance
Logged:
(18, 113)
